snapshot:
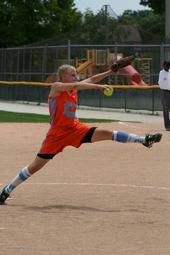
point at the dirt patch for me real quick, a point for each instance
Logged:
(101, 199)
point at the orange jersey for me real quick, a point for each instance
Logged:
(62, 110)
(65, 128)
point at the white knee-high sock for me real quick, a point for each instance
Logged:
(22, 176)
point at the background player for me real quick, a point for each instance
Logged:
(164, 83)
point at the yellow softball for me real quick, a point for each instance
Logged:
(108, 91)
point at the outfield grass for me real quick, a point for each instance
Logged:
(17, 117)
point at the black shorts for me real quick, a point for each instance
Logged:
(86, 139)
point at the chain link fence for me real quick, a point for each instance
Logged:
(35, 64)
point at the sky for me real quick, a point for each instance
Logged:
(118, 6)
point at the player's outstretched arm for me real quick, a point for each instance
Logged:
(58, 87)
(98, 77)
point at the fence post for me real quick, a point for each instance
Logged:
(44, 63)
(2, 64)
(125, 105)
(23, 64)
(162, 54)
(5, 63)
(18, 58)
(30, 66)
(153, 101)
(69, 52)
(116, 52)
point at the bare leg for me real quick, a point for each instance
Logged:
(37, 164)
(23, 175)
(101, 134)
(118, 136)
(124, 137)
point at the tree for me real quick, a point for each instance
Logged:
(27, 21)
(158, 6)
(99, 29)
(150, 25)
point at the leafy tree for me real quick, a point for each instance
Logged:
(27, 21)
(150, 25)
(99, 29)
(55, 21)
(158, 6)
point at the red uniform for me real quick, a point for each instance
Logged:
(65, 128)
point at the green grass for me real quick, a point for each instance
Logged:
(22, 117)
(17, 117)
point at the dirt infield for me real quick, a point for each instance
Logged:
(101, 199)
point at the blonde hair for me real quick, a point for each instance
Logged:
(64, 69)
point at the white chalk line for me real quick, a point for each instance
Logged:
(116, 185)
(100, 184)
(128, 124)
